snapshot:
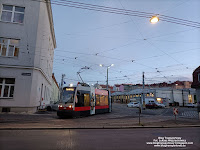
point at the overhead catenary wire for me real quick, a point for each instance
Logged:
(99, 8)
(61, 57)
(122, 10)
(129, 11)
(174, 6)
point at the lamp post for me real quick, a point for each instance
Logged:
(101, 65)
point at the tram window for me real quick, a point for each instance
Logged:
(83, 99)
(102, 100)
(86, 99)
(80, 97)
(98, 100)
(106, 100)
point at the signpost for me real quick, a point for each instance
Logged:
(140, 110)
(175, 111)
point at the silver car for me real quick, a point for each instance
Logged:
(160, 105)
(133, 104)
(191, 105)
(53, 106)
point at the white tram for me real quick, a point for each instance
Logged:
(84, 100)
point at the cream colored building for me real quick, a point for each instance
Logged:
(55, 94)
(180, 97)
(27, 43)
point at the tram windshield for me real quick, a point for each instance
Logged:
(68, 94)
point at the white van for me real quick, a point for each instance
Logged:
(150, 100)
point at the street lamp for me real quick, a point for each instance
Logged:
(154, 19)
(101, 65)
(176, 85)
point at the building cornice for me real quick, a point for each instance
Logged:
(50, 15)
(26, 67)
(53, 77)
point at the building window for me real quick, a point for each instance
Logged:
(7, 87)
(190, 98)
(12, 14)
(199, 77)
(9, 47)
(151, 94)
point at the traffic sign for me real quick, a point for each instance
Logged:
(175, 111)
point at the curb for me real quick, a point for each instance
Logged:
(104, 127)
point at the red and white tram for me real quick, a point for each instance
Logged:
(84, 100)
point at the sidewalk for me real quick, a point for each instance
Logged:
(50, 121)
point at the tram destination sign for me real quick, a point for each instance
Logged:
(69, 89)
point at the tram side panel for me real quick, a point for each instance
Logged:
(102, 103)
(82, 107)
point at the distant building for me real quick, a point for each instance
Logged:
(97, 86)
(179, 97)
(125, 87)
(174, 85)
(105, 86)
(196, 85)
(196, 78)
(116, 87)
(27, 43)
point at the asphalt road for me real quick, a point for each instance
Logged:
(120, 116)
(94, 139)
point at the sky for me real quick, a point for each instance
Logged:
(165, 52)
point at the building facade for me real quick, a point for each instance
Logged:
(27, 43)
(196, 85)
(169, 96)
(55, 94)
(174, 85)
(116, 87)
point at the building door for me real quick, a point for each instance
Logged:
(41, 95)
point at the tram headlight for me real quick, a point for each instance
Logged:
(70, 106)
(60, 106)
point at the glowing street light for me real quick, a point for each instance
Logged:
(154, 19)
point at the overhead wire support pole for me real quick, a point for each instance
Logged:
(62, 80)
(101, 65)
(143, 96)
(107, 79)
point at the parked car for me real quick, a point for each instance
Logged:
(160, 105)
(191, 105)
(151, 105)
(53, 106)
(133, 104)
